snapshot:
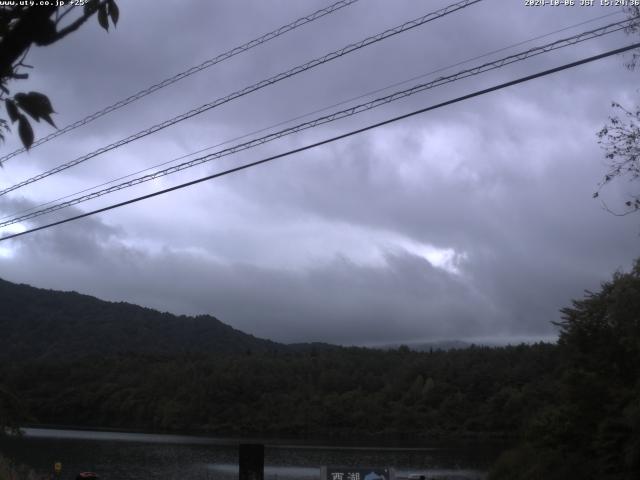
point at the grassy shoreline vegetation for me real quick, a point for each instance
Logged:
(570, 410)
(9, 471)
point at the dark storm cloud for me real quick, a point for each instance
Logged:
(338, 301)
(471, 221)
(81, 243)
(532, 235)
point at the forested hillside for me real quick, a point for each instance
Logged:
(590, 427)
(346, 392)
(573, 409)
(37, 323)
(335, 396)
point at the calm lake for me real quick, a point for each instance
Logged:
(128, 456)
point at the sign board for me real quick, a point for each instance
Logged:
(251, 461)
(356, 473)
(57, 468)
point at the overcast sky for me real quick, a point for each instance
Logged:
(473, 221)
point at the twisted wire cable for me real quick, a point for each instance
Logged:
(187, 73)
(328, 140)
(518, 57)
(298, 117)
(252, 88)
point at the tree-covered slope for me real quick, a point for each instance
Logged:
(345, 392)
(41, 324)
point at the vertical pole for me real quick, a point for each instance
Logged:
(251, 461)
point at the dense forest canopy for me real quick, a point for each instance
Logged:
(343, 392)
(572, 408)
(590, 428)
(37, 323)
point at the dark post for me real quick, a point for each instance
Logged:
(251, 461)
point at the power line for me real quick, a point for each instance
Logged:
(581, 37)
(333, 139)
(298, 117)
(187, 73)
(252, 88)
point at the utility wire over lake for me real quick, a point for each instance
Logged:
(518, 57)
(429, 17)
(38, 207)
(187, 73)
(333, 139)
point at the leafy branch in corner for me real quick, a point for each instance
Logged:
(620, 139)
(42, 25)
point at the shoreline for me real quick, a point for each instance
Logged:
(342, 442)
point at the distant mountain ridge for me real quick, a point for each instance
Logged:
(427, 346)
(37, 323)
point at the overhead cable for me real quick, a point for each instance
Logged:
(581, 37)
(330, 140)
(187, 73)
(252, 88)
(304, 115)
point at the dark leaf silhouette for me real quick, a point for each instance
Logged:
(36, 105)
(103, 18)
(12, 110)
(45, 32)
(114, 11)
(3, 126)
(25, 131)
(90, 7)
(25, 24)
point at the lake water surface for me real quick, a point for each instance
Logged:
(129, 456)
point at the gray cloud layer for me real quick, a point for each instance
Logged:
(471, 221)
